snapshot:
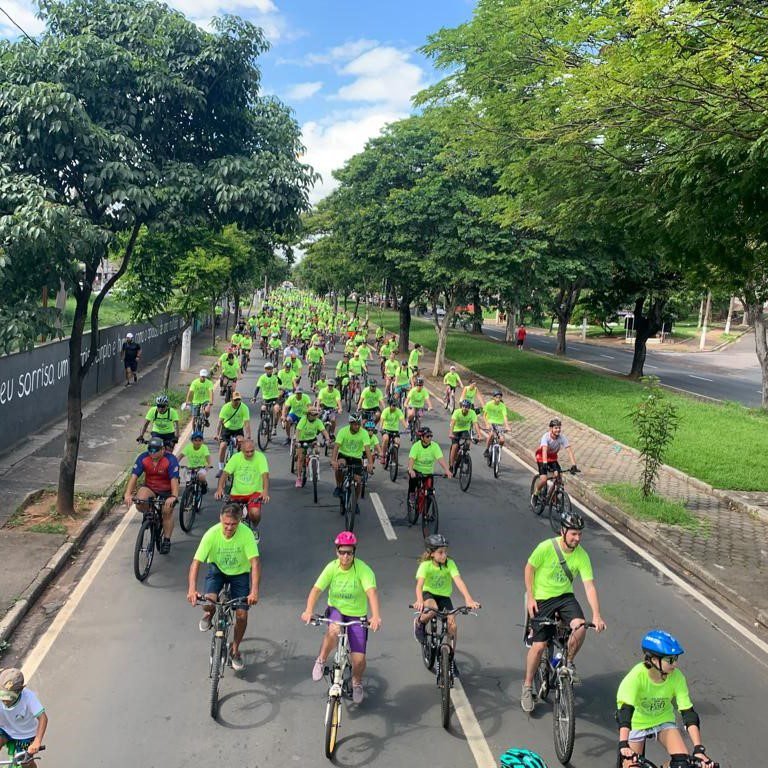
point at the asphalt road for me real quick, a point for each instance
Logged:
(732, 373)
(126, 681)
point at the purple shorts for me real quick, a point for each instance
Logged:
(356, 634)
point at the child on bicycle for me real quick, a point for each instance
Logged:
(435, 577)
(22, 717)
(198, 457)
(644, 702)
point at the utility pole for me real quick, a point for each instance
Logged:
(703, 340)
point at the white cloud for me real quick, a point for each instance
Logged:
(335, 55)
(199, 9)
(302, 91)
(23, 13)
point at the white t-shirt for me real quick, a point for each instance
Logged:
(20, 721)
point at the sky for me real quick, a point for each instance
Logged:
(345, 68)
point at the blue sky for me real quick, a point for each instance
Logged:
(346, 68)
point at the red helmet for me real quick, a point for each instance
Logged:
(346, 539)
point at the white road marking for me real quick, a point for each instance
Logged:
(648, 365)
(700, 378)
(381, 513)
(610, 357)
(472, 730)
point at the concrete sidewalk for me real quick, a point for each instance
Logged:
(727, 554)
(108, 447)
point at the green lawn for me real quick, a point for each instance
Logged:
(630, 500)
(112, 312)
(716, 443)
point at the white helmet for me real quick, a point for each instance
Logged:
(204, 372)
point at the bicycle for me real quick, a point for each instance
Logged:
(414, 424)
(221, 623)
(348, 498)
(228, 389)
(424, 503)
(245, 519)
(150, 535)
(555, 673)
(494, 451)
(329, 425)
(462, 464)
(339, 676)
(266, 425)
(245, 356)
(310, 466)
(641, 761)
(555, 498)
(315, 371)
(438, 647)
(191, 499)
(199, 418)
(353, 387)
(391, 456)
(23, 757)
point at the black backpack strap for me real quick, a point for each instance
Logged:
(561, 558)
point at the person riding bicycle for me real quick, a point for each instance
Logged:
(549, 575)
(496, 417)
(307, 430)
(351, 442)
(644, 704)
(390, 368)
(269, 386)
(391, 419)
(234, 421)
(274, 345)
(23, 720)
(161, 478)
(198, 457)
(295, 407)
(357, 368)
(402, 381)
(417, 400)
(315, 355)
(551, 444)
(286, 381)
(370, 427)
(164, 421)
(435, 577)
(249, 471)
(246, 345)
(329, 401)
(421, 461)
(232, 555)
(370, 402)
(342, 372)
(230, 372)
(200, 394)
(451, 380)
(472, 393)
(413, 358)
(351, 586)
(462, 421)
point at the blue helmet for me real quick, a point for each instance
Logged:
(657, 642)
(521, 758)
(196, 435)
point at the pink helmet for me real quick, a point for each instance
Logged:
(346, 539)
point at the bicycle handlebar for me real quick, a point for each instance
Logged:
(22, 757)
(235, 601)
(463, 609)
(643, 762)
(317, 620)
(546, 622)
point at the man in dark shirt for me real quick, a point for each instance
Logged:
(130, 354)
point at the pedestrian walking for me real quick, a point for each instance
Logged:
(130, 354)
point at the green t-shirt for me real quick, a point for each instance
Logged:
(653, 701)
(314, 354)
(342, 369)
(296, 366)
(275, 344)
(374, 440)
(495, 412)
(462, 423)
(391, 367)
(307, 430)
(350, 444)
(285, 379)
(236, 339)
(364, 351)
(417, 397)
(413, 358)
(233, 418)
(269, 386)
(371, 399)
(246, 343)
(347, 589)
(202, 391)
(196, 457)
(390, 419)
(403, 377)
(230, 370)
(549, 579)
(246, 473)
(438, 579)
(424, 458)
(470, 393)
(231, 556)
(298, 405)
(329, 398)
(162, 423)
(356, 366)
(451, 379)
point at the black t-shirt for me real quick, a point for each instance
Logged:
(131, 350)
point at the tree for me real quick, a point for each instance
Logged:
(125, 114)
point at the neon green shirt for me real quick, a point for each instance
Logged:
(347, 589)
(307, 430)
(438, 579)
(413, 358)
(550, 580)
(230, 370)
(364, 351)
(296, 366)
(196, 457)
(451, 379)
(495, 412)
(403, 377)
(246, 342)
(470, 393)
(246, 473)
(314, 354)
(350, 444)
(236, 339)
(424, 458)
(462, 423)
(391, 367)
(231, 556)
(329, 398)
(653, 701)
(234, 418)
(285, 378)
(269, 386)
(371, 399)
(298, 405)
(417, 397)
(374, 440)
(355, 366)
(162, 423)
(202, 391)
(390, 419)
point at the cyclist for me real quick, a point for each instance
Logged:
(351, 586)
(232, 555)
(130, 354)
(375, 444)
(413, 358)
(644, 704)
(286, 380)
(417, 399)
(234, 421)
(391, 418)
(246, 345)
(200, 395)
(307, 430)
(295, 407)
(357, 369)
(269, 386)
(342, 372)
(274, 345)
(23, 720)
(391, 367)
(546, 454)
(421, 461)
(164, 421)
(198, 457)
(249, 471)
(329, 400)
(230, 372)
(402, 381)
(316, 356)
(471, 393)
(496, 418)
(549, 575)
(351, 442)
(371, 400)
(462, 421)
(451, 381)
(161, 478)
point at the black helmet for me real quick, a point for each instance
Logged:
(466, 403)
(373, 383)
(571, 521)
(419, 381)
(555, 423)
(392, 400)
(435, 541)
(155, 444)
(355, 418)
(425, 432)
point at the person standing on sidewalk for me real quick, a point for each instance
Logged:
(22, 717)
(130, 354)
(520, 335)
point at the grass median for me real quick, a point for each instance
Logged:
(717, 443)
(654, 508)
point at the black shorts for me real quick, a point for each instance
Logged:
(227, 433)
(168, 438)
(567, 606)
(457, 437)
(132, 364)
(351, 461)
(443, 603)
(549, 467)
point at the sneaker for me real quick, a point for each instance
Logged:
(575, 679)
(298, 482)
(337, 493)
(236, 659)
(205, 623)
(207, 423)
(165, 546)
(526, 700)
(418, 630)
(358, 694)
(486, 453)
(204, 488)
(318, 669)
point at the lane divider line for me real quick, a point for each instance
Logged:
(471, 727)
(381, 513)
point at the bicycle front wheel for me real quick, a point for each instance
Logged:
(564, 720)
(429, 518)
(465, 473)
(144, 550)
(428, 653)
(332, 723)
(556, 509)
(264, 433)
(445, 685)
(496, 459)
(187, 509)
(393, 464)
(314, 466)
(217, 656)
(349, 508)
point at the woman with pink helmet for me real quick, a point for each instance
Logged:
(351, 586)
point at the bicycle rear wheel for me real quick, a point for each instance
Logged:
(332, 723)
(465, 472)
(556, 509)
(429, 518)
(188, 508)
(564, 720)
(264, 434)
(428, 652)
(217, 658)
(445, 685)
(392, 458)
(144, 550)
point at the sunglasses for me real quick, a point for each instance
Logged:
(345, 552)
(153, 450)
(670, 659)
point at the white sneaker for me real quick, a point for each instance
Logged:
(205, 623)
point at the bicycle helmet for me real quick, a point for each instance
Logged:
(392, 401)
(370, 425)
(346, 539)
(373, 383)
(161, 400)
(204, 372)
(466, 403)
(521, 758)
(154, 445)
(331, 382)
(572, 521)
(404, 363)
(555, 423)
(435, 541)
(287, 363)
(657, 642)
(419, 382)
(355, 418)
(268, 366)
(452, 368)
(496, 393)
(196, 435)
(425, 432)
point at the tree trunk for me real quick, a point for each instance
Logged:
(357, 304)
(730, 315)
(226, 324)
(213, 324)
(477, 317)
(760, 323)
(509, 331)
(174, 345)
(236, 297)
(646, 326)
(566, 302)
(405, 323)
(345, 302)
(442, 334)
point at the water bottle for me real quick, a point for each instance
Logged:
(556, 659)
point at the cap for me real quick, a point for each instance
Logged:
(237, 396)
(11, 683)
(129, 335)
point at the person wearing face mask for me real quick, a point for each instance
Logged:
(23, 720)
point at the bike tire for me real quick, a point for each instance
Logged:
(556, 511)
(187, 509)
(564, 720)
(430, 520)
(145, 545)
(496, 460)
(348, 502)
(428, 653)
(465, 473)
(541, 677)
(216, 668)
(314, 482)
(445, 686)
(393, 466)
(264, 435)
(332, 723)
(293, 459)
(363, 483)
(536, 507)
